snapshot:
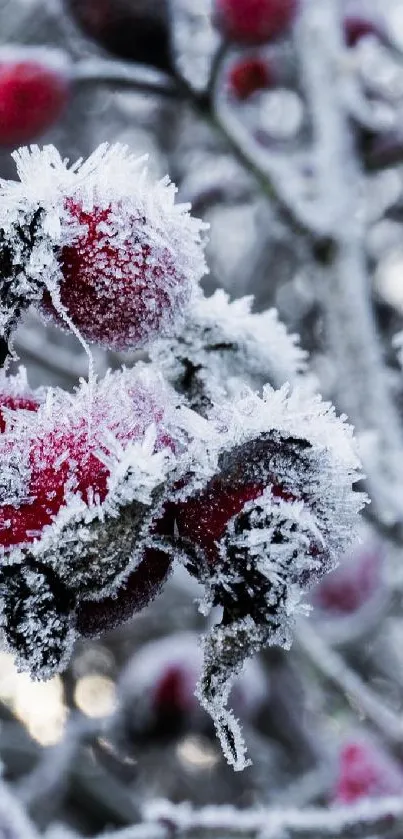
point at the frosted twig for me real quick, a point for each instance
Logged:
(359, 695)
(362, 389)
(123, 75)
(356, 821)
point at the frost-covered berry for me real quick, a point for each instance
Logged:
(365, 770)
(134, 29)
(264, 528)
(99, 246)
(222, 345)
(34, 92)
(254, 21)
(158, 686)
(15, 395)
(82, 478)
(249, 75)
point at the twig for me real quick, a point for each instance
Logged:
(358, 694)
(125, 76)
(164, 819)
(362, 389)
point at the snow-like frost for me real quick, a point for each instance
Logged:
(141, 235)
(222, 343)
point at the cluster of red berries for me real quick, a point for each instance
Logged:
(100, 490)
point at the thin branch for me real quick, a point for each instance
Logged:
(332, 665)
(362, 389)
(164, 819)
(124, 76)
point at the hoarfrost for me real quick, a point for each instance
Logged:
(223, 343)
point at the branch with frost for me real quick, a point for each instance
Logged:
(163, 819)
(279, 177)
(361, 697)
(362, 384)
(124, 75)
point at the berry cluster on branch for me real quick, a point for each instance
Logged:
(203, 454)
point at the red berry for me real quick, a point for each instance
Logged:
(357, 27)
(118, 292)
(94, 617)
(33, 97)
(58, 457)
(254, 21)
(365, 770)
(137, 30)
(204, 518)
(249, 75)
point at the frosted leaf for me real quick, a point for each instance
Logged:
(102, 248)
(223, 343)
(274, 519)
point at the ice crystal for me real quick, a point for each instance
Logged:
(222, 343)
(98, 245)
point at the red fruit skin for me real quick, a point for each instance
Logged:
(23, 523)
(254, 21)
(141, 587)
(32, 98)
(366, 772)
(356, 27)
(14, 403)
(204, 518)
(115, 295)
(250, 75)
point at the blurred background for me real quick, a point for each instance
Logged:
(84, 751)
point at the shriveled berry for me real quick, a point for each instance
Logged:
(33, 97)
(254, 21)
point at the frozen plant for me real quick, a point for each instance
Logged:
(191, 455)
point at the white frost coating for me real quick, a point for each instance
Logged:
(225, 343)
(141, 214)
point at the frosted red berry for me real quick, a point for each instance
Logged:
(366, 771)
(117, 288)
(254, 21)
(58, 458)
(32, 98)
(250, 75)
